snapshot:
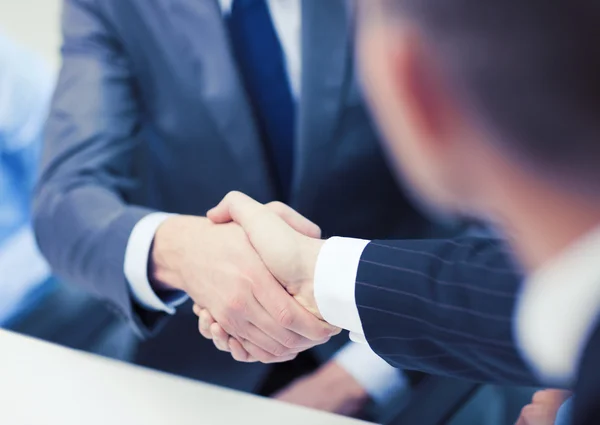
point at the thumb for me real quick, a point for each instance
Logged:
(295, 220)
(235, 201)
(243, 210)
(265, 229)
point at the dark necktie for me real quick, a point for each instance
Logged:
(261, 62)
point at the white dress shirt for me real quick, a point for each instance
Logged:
(378, 378)
(558, 309)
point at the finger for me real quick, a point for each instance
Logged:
(271, 346)
(220, 337)
(239, 353)
(550, 397)
(263, 331)
(521, 420)
(245, 211)
(222, 212)
(533, 414)
(289, 314)
(287, 338)
(197, 309)
(236, 349)
(295, 220)
(262, 356)
(205, 321)
(203, 330)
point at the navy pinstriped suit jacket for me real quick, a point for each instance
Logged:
(586, 409)
(443, 307)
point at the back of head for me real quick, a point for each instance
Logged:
(529, 70)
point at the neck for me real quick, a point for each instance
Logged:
(541, 221)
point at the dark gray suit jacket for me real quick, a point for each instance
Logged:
(150, 115)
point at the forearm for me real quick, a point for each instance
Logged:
(443, 307)
(83, 233)
(451, 304)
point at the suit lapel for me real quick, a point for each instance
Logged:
(199, 25)
(326, 66)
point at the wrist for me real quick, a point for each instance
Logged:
(310, 254)
(167, 253)
(308, 262)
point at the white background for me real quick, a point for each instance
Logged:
(34, 24)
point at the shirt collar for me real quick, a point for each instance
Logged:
(558, 308)
(225, 6)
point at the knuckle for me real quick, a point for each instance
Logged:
(325, 334)
(276, 206)
(285, 317)
(229, 326)
(242, 331)
(232, 195)
(236, 305)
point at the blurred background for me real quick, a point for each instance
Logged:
(34, 24)
(32, 301)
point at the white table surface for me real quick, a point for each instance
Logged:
(44, 384)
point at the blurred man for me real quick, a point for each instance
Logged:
(31, 301)
(490, 109)
(164, 107)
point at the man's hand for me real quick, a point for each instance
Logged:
(218, 267)
(289, 255)
(543, 407)
(330, 388)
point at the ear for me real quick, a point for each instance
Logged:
(428, 105)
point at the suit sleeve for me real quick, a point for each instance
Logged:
(586, 409)
(442, 306)
(81, 217)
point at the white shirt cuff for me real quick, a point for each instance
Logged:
(380, 380)
(335, 279)
(136, 266)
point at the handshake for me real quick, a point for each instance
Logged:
(249, 268)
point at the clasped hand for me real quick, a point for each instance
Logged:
(253, 292)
